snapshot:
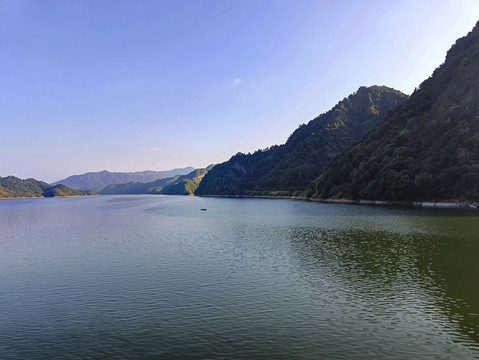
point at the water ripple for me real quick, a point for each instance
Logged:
(155, 278)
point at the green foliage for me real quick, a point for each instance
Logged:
(289, 168)
(98, 180)
(23, 188)
(13, 187)
(176, 185)
(63, 190)
(187, 184)
(427, 149)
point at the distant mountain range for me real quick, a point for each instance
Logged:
(176, 185)
(376, 144)
(13, 187)
(288, 169)
(98, 180)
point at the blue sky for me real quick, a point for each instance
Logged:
(123, 85)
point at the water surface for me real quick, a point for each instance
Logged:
(153, 277)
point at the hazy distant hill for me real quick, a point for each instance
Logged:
(187, 184)
(13, 187)
(98, 180)
(427, 149)
(289, 168)
(176, 185)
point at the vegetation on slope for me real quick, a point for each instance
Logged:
(176, 185)
(133, 187)
(187, 184)
(98, 180)
(427, 149)
(289, 168)
(63, 190)
(13, 187)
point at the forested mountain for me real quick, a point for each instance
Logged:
(98, 180)
(288, 169)
(187, 184)
(427, 149)
(13, 187)
(176, 185)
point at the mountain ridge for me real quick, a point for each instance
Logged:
(176, 185)
(289, 168)
(98, 180)
(426, 149)
(12, 187)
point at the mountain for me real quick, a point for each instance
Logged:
(98, 180)
(133, 187)
(176, 185)
(13, 187)
(187, 184)
(427, 149)
(288, 169)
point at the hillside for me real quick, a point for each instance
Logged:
(427, 149)
(133, 187)
(98, 180)
(13, 187)
(187, 184)
(288, 169)
(176, 185)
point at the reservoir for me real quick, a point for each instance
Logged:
(172, 277)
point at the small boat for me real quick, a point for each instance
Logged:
(203, 209)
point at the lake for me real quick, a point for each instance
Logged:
(153, 277)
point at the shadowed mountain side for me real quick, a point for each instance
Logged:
(288, 169)
(98, 180)
(176, 185)
(427, 149)
(13, 187)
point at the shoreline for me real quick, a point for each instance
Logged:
(42, 197)
(451, 204)
(257, 196)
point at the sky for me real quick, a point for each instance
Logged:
(123, 85)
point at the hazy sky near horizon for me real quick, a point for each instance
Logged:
(122, 85)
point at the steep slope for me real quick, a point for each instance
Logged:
(427, 149)
(176, 185)
(63, 190)
(98, 180)
(13, 187)
(289, 168)
(16, 187)
(133, 187)
(187, 184)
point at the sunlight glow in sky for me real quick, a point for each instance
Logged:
(88, 85)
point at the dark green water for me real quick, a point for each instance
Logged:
(153, 277)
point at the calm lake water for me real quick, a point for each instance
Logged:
(153, 277)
